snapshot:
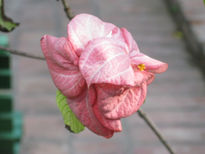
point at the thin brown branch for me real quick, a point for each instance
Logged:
(149, 122)
(21, 53)
(67, 10)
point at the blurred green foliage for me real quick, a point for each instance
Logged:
(6, 23)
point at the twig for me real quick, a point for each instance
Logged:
(21, 53)
(67, 10)
(149, 122)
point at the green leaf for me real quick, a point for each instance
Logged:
(70, 120)
(6, 24)
(178, 34)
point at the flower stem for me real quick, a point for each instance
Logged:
(149, 122)
(21, 53)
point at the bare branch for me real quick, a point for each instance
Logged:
(21, 53)
(149, 122)
(67, 10)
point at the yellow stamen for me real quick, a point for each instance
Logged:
(141, 67)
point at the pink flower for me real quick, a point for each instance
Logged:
(101, 71)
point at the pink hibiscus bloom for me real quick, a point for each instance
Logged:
(101, 71)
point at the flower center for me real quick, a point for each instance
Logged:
(141, 67)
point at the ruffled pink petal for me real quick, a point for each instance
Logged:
(132, 45)
(143, 76)
(106, 61)
(114, 125)
(62, 64)
(149, 77)
(122, 102)
(151, 65)
(86, 27)
(111, 124)
(137, 58)
(82, 108)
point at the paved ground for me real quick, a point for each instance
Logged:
(175, 101)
